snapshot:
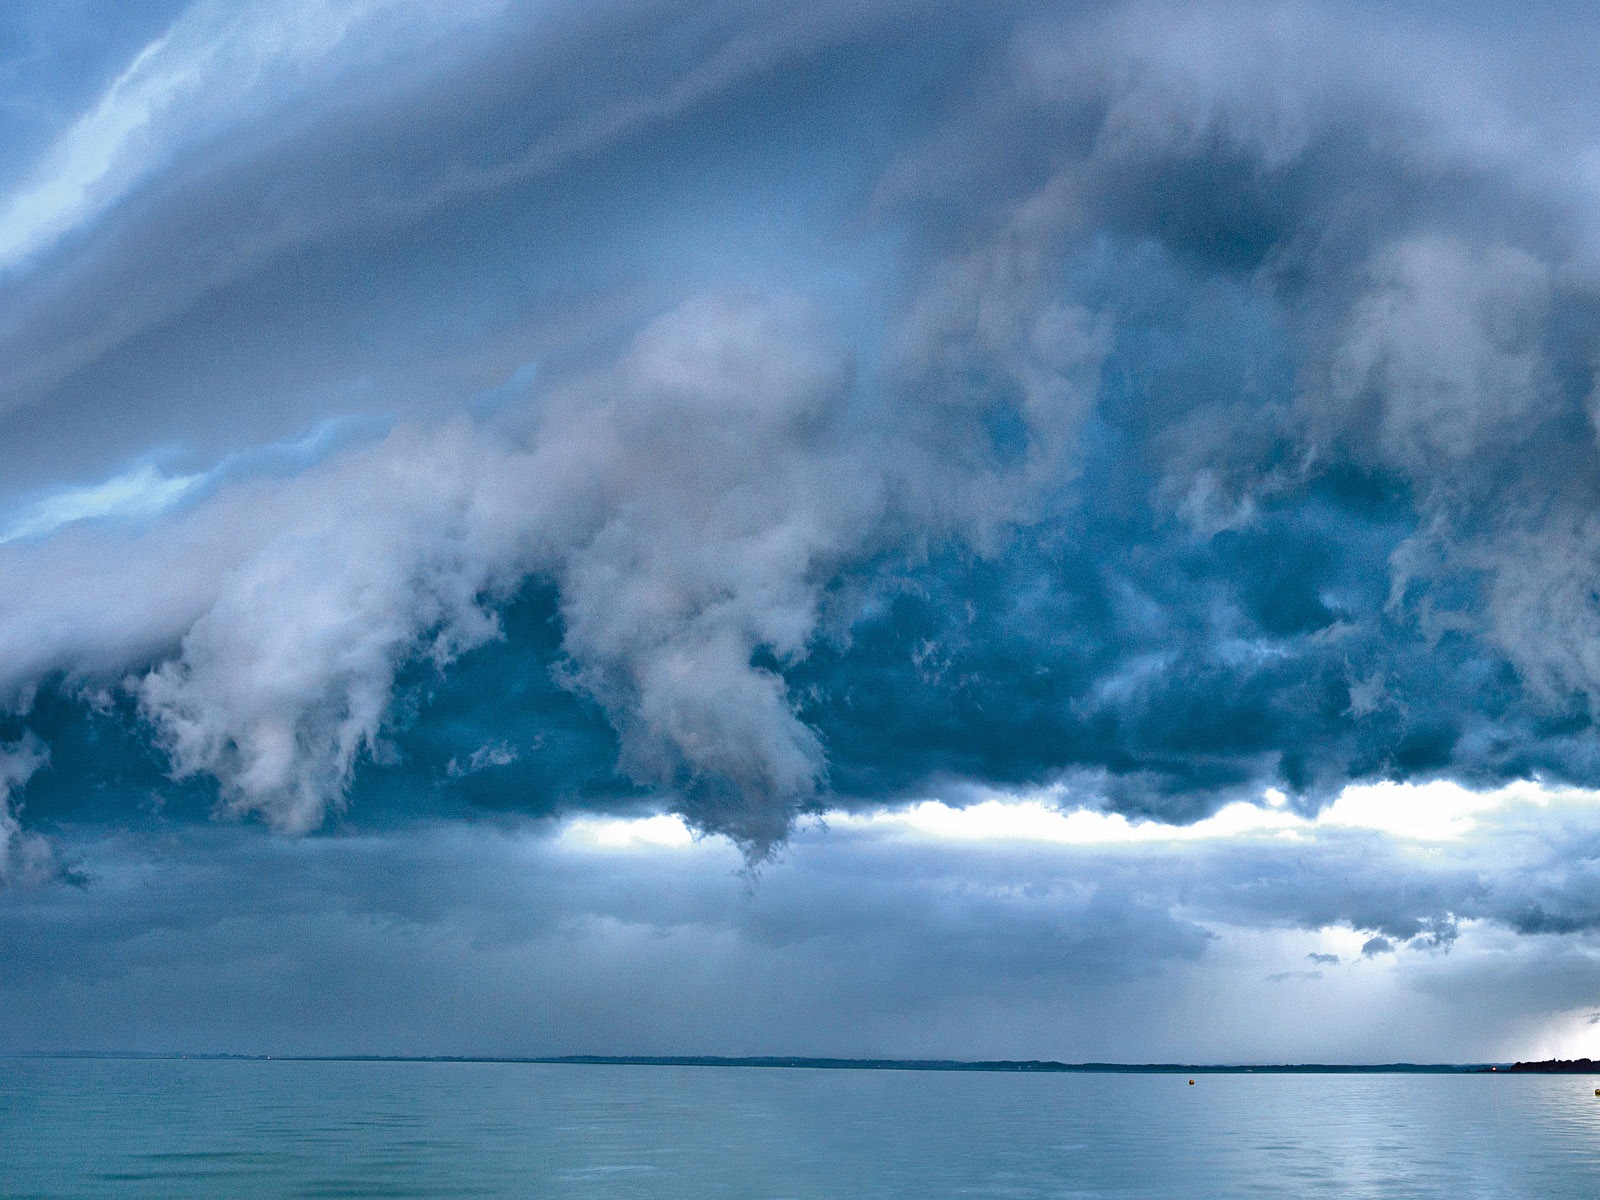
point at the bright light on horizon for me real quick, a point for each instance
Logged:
(1436, 812)
(1433, 813)
(628, 833)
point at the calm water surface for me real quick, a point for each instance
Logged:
(175, 1129)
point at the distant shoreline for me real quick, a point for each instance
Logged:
(794, 1062)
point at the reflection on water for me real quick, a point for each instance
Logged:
(177, 1129)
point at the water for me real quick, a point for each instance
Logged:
(175, 1129)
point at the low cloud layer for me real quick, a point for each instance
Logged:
(867, 937)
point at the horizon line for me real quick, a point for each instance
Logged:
(808, 1062)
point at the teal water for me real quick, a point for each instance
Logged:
(185, 1128)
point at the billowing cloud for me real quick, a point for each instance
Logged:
(1204, 433)
(776, 408)
(690, 502)
(25, 858)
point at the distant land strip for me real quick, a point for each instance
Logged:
(1026, 1065)
(1033, 1066)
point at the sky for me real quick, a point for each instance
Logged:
(869, 528)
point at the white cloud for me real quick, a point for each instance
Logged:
(689, 500)
(490, 754)
(286, 677)
(25, 858)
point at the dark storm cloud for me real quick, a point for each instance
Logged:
(1172, 401)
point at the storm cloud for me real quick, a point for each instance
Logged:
(1203, 407)
(414, 414)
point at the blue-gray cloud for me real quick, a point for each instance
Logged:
(791, 406)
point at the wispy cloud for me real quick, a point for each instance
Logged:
(141, 493)
(190, 82)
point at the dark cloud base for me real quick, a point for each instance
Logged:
(1082, 654)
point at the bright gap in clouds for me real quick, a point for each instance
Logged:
(1436, 812)
(621, 833)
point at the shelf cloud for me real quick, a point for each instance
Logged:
(415, 415)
